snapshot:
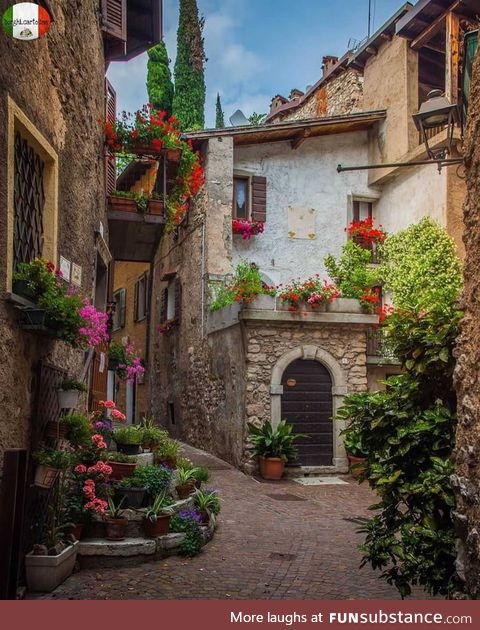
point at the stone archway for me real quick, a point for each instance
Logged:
(339, 390)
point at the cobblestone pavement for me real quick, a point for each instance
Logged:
(275, 540)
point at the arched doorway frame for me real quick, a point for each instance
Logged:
(339, 391)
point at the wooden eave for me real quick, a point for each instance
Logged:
(425, 12)
(292, 131)
(134, 236)
(144, 30)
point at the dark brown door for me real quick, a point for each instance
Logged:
(307, 404)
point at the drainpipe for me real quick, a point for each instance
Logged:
(203, 279)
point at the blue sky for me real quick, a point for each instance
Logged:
(258, 48)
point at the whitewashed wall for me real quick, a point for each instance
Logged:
(305, 177)
(415, 193)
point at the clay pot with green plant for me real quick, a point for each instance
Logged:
(166, 454)
(186, 483)
(122, 465)
(50, 463)
(356, 453)
(207, 503)
(69, 393)
(152, 435)
(201, 474)
(273, 447)
(128, 439)
(156, 521)
(115, 523)
(132, 491)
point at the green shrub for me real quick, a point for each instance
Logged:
(79, 429)
(128, 435)
(121, 458)
(51, 457)
(169, 448)
(200, 473)
(155, 479)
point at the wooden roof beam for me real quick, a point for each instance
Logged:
(300, 139)
(426, 35)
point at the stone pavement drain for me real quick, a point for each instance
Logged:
(264, 548)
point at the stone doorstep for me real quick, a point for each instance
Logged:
(303, 471)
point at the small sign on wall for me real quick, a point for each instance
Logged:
(301, 223)
(65, 268)
(76, 275)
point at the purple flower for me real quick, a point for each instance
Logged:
(190, 515)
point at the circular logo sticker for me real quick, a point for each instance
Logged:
(26, 21)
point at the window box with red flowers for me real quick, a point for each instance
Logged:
(150, 132)
(247, 227)
(307, 295)
(364, 233)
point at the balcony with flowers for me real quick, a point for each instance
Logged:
(153, 192)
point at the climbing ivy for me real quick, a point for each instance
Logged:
(189, 97)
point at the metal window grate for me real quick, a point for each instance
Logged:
(29, 202)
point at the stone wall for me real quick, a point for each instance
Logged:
(467, 459)
(339, 96)
(57, 81)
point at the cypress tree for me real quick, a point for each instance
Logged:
(219, 117)
(189, 98)
(159, 79)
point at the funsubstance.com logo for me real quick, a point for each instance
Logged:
(26, 21)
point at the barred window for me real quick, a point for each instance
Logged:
(29, 202)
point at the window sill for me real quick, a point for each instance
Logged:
(19, 302)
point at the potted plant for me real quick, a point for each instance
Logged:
(122, 465)
(152, 435)
(357, 456)
(128, 439)
(155, 479)
(78, 429)
(132, 491)
(115, 525)
(69, 392)
(50, 462)
(116, 355)
(186, 483)
(167, 453)
(156, 521)
(123, 201)
(201, 474)
(207, 503)
(155, 204)
(273, 447)
(76, 514)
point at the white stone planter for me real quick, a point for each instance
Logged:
(45, 476)
(68, 399)
(45, 573)
(261, 303)
(344, 305)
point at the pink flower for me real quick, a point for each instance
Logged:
(98, 440)
(118, 415)
(109, 404)
(95, 325)
(80, 468)
(97, 505)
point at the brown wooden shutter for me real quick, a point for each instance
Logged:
(163, 305)
(259, 198)
(123, 307)
(135, 301)
(178, 300)
(114, 19)
(148, 292)
(110, 162)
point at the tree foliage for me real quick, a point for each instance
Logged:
(189, 97)
(219, 117)
(408, 430)
(159, 79)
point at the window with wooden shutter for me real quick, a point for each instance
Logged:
(178, 300)
(259, 198)
(110, 161)
(241, 198)
(120, 299)
(114, 19)
(141, 298)
(163, 305)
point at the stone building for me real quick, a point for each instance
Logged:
(210, 373)
(53, 178)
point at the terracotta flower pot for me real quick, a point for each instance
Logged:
(115, 528)
(124, 204)
(271, 467)
(120, 470)
(357, 465)
(158, 528)
(185, 490)
(77, 531)
(205, 517)
(155, 206)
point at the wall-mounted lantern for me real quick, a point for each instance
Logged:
(437, 113)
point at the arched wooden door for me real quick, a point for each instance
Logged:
(307, 404)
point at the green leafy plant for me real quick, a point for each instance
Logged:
(51, 457)
(131, 482)
(192, 543)
(128, 435)
(353, 442)
(185, 476)
(200, 473)
(153, 436)
(70, 384)
(353, 274)
(79, 429)
(245, 285)
(207, 501)
(161, 505)
(269, 442)
(184, 462)
(169, 448)
(114, 510)
(121, 458)
(155, 479)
